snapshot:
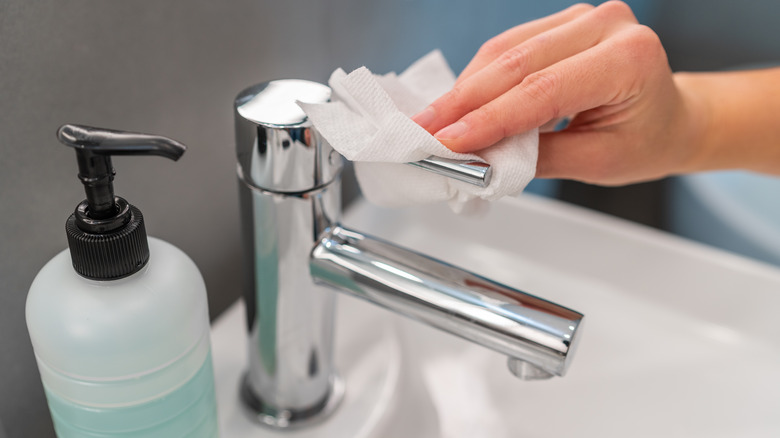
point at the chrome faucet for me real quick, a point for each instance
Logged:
(298, 255)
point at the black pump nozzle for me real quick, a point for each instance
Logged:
(106, 234)
(94, 147)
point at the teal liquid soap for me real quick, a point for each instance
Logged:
(188, 411)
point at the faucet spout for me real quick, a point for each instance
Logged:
(538, 336)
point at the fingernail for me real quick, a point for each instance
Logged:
(425, 117)
(453, 131)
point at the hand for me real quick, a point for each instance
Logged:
(632, 122)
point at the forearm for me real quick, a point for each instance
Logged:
(737, 119)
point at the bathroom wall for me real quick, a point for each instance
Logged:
(719, 34)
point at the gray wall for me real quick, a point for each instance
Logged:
(172, 67)
(719, 34)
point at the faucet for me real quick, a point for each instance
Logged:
(297, 255)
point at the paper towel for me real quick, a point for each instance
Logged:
(368, 121)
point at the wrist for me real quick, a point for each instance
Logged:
(735, 119)
(699, 137)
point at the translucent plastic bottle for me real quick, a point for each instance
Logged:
(119, 323)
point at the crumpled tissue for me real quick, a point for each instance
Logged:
(368, 121)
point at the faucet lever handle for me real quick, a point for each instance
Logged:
(473, 172)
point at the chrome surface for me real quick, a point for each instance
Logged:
(276, 148)
(284, 168)
(296, 253)
(472, 172)
(271, 415)
(525, 371)
(290, 320)
(511, 322)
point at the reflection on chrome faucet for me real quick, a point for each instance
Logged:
(297, 255)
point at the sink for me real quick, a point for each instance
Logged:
(681, 339)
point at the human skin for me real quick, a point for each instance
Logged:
(633, 119)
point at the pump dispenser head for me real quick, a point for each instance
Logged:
(106, 234)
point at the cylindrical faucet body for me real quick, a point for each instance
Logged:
(289, 192)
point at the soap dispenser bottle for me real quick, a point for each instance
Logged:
(119, 322)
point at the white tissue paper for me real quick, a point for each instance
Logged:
(368, 121)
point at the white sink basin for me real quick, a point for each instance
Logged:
(680, 340)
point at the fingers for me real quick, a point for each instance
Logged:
(510, 68)
(499, 44)
(606, 74)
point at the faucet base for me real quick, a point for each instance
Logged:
(287, 419)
